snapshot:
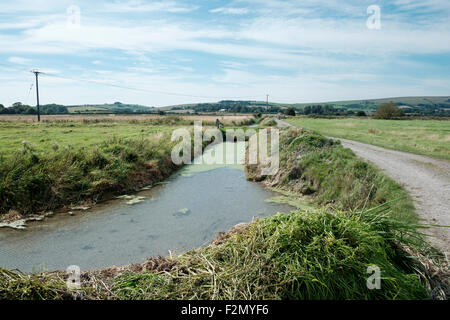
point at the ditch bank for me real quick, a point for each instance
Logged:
(34, 185)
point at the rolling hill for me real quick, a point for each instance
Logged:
(116, 107)
(421, 105)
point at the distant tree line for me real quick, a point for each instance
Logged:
(19, 108)
(328, 110)
(232, 107)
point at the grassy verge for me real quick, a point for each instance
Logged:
(51, 165)
(306, 254)
(331, 175)
(425, 137)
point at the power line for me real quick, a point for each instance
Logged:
(17, 68)
(143, 90)
(29, 91)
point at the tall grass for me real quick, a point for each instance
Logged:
(300, 255)
(332, 175)
(32, 181)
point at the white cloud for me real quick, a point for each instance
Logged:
(237, 11)
(19, 60)
(296, 50)
(154, 6)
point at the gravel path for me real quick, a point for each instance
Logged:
(426, 179)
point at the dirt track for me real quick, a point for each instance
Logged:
(426, 179)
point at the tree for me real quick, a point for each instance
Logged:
(388, 111)
(361, 113)
(290, 111)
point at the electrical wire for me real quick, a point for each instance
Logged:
(23, 69)
(143, 90)
(29, 91)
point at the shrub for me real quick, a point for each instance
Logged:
(290, 111)
(388, 111)
(361, 113)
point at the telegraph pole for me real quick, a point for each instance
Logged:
(267, 102)
(36, 73)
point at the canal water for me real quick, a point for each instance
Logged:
(185, 212)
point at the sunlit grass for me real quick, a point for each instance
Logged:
(426, 137)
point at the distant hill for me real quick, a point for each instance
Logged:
(429, 106)
(116, 107)
(372, 104)
(419, 105)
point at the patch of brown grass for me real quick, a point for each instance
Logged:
(227, 119)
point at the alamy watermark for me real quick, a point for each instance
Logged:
(73, 17)
(374, 20)
(73, 281)
(263, 147)
(374, 281)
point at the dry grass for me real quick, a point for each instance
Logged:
(226, 119)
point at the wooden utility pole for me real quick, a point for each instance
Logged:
(36, 73)
(267, 102)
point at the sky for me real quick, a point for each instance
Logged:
(160, 53)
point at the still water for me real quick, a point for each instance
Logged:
(184, 213)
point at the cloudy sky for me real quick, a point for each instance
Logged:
(160, 53)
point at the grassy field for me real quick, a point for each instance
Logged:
(425, 137)
(45, 137)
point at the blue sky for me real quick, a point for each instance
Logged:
(196, 51)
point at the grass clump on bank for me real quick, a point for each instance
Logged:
(104, 160)
(300, 255)
(31, 182)
(332, 175)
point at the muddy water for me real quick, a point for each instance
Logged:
(185, 213)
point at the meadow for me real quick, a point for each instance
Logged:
(425, 137)
(46, 136)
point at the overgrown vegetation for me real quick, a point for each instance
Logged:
(31, 181)
(313, 165)
(102, 160)
(301, 255)
(267, 122)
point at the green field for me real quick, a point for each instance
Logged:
(45, 137)
(425, 137)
